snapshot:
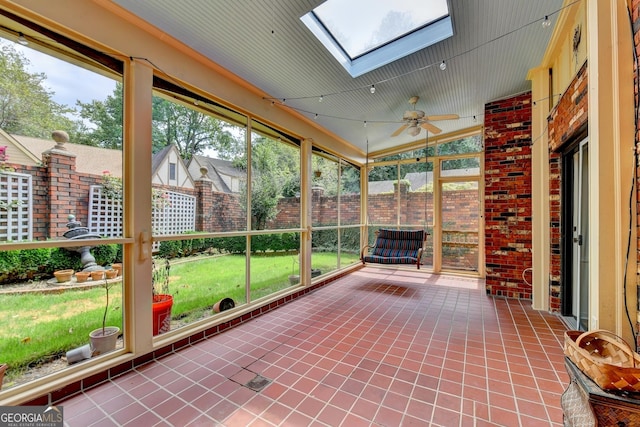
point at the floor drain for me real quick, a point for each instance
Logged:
(257, 383)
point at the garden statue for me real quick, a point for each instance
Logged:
(77, 232)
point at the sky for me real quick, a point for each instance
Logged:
(68, 82)
(356, 34)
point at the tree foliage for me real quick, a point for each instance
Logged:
(192, 131)
(26, 106)
(274, 166)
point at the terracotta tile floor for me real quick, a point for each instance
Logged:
(378, 347)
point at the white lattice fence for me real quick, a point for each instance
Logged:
(16, 207)
(105, 214)
(177, 215)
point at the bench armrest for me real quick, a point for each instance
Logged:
(364, 250)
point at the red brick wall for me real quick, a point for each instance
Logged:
(507, 195)
(58, 191)
(555, 262)
(565, 122)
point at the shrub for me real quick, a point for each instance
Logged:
(170, 249)
(118, 257)
(290, 241)
(105, 254)
(62, 259)
(33, 261)
(264, 242)
(9, 261)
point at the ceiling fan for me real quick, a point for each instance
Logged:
(415, 119)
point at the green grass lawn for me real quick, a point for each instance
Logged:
(41, 327)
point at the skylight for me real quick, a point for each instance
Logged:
(366, 34)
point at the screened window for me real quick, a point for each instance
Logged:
(72, 102)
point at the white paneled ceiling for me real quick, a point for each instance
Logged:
(495, 44)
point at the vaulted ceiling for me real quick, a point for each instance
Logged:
(495, 43)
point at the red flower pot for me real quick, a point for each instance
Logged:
(162, 304)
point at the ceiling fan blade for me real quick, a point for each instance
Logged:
(399, 131)
(431, 128)
(443, 117)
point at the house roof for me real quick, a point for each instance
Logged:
(156, 160)
(216, 168)
(89, 159)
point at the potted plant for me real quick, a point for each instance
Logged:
(162, 299)
(82, 276)
(63, 275)
(224, 304)
(293, 278)
(104, 340)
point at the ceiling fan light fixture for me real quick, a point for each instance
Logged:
(413, 130)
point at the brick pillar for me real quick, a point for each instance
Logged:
(508, 237)
(204, 202)
(63, 186)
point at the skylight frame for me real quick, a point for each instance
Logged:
(413, 41)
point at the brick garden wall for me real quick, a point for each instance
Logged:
(507, 196)
(59, 191)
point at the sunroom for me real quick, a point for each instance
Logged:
(253, 149)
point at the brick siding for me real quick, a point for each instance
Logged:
(507, 196)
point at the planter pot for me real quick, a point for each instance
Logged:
(3, 369)
(63, 275)
(315, 272)
(223, 304)
(79, 354)
(101, 344)
(82, 276)
(118, 268)
(294, 279)
(97, 275)
(111, 274)
(162, 304)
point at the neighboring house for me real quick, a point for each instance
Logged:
(418, 180)
(168, 168)
(26, 150)
(224, 177)
(18, 152)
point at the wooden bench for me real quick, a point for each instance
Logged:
(395, 247)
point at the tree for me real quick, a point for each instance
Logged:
(273, 166)
(26, 106)
(107, 117)
(192, 131)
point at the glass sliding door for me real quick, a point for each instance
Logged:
(460, 215)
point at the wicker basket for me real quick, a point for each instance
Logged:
(605, 358)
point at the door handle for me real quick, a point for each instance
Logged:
(578, 240)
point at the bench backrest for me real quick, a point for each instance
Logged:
(396, 242)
